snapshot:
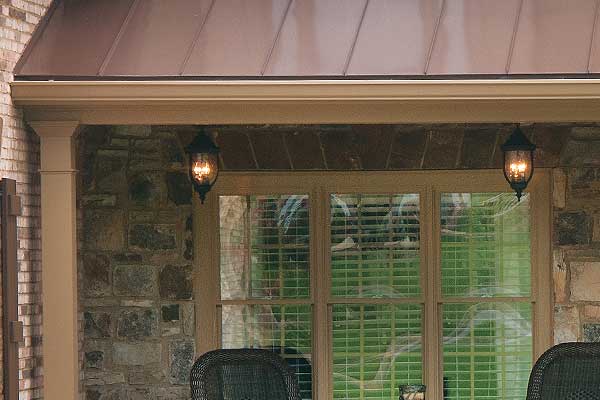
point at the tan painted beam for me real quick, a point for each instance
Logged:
(59, 260)
(323, 101)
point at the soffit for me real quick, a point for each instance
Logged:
(174, 39)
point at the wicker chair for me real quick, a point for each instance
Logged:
(242, 374)
(568, 371)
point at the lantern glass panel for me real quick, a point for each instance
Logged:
(204, 168)
(518, 166)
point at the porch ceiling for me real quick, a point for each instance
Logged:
(83, 39)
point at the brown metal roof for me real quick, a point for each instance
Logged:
(313, 38)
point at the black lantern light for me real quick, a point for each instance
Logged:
(518, 161)
(204, 164)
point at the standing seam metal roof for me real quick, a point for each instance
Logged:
(98, 39)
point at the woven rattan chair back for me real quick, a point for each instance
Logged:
(568, 371)
(242, 374)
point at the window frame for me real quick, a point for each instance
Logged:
(318, 186)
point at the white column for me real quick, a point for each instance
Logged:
(59, 259)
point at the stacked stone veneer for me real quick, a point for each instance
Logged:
(576, 266)
(136, 248)
(136, 253)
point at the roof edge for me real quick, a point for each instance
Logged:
(155, 92)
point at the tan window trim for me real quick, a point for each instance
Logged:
(318, 185)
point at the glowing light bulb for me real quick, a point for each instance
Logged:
(201, 171)
(518, 169)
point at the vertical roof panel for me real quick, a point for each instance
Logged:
(77, 38)
(147, 48)
(316, 38)
(395, 37)
(594, 63)
(553, 36)
(236, 38)
(474, 37)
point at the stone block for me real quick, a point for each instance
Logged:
(140, 353)
(134, 280)
(179, 188)
(170, 312)
(97, 324)
(175, 282)
(137, 303)
(100, 378)
(172, 151)
(181, 358)
(188, 239)
(137, 323)
(189, 318)
(591, 332)
(104, 230)
(585, 281)
(132, 130)
(566, 324)
(173, 393)
(147, 189)
(96, 275)
(170, 329)
(152, 237)
(559, 188)
(127, 258)
(109, 174)
(591, 312)
(572, 228)
(140, 376)
(559, 274)
(94, 359)
(373, 144)
(581, 152)
(99, 200)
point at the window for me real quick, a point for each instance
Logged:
(367, 281)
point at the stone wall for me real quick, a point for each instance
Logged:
(135, 264)
(19, 160)
(136, 228)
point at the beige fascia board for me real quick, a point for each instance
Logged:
(151, 92)
(310, 102)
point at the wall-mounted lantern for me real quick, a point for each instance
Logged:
(204, 164)
(518, 161)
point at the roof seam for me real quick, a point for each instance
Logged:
(591, 50)
(190, 50)
(117, 39)
(434, 37)
(513, 38)
(268, 59)
(358, 29)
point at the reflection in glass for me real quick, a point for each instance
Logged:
(487, 350)
(376, 348)
(375, 242)
(486, 245)
(264, 244)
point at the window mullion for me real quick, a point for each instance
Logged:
(430, 228)
(319, 237)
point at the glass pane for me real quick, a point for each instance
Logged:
(487, 350)
(376, 348)
(375, 245)
(485, 239)
(283, 329)
(264, 247)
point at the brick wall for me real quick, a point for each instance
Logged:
(19, 160)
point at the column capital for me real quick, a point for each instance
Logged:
(54, 128)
